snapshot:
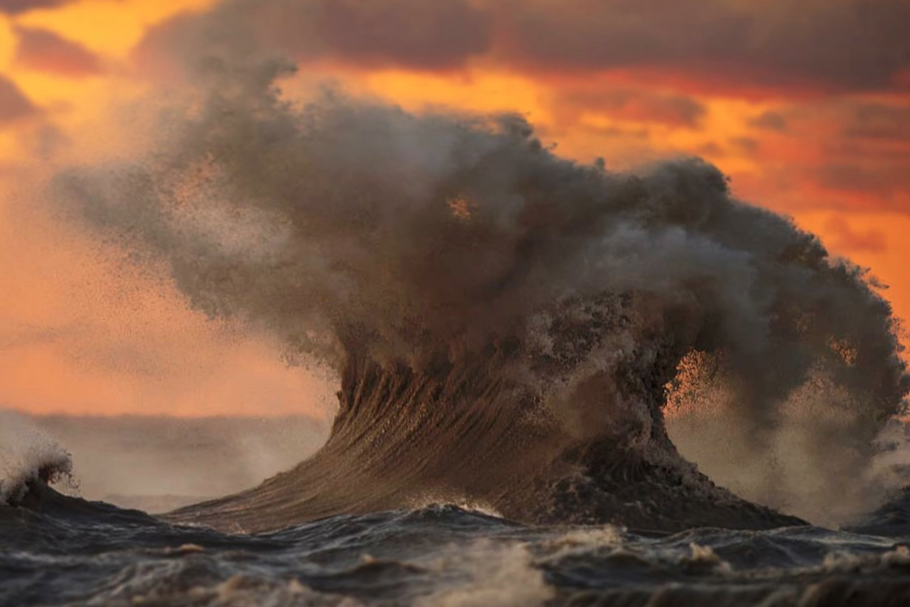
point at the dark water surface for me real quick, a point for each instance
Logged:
(57, 550)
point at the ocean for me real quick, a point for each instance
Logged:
(58, 550)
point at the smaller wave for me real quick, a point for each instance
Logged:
(27, 455)
(440, 500)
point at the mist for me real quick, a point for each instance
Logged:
(154, 463)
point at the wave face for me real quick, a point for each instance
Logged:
(505, 323)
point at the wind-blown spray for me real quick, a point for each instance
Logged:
(505, 322)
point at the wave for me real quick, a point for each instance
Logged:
(507, 326)
(28, 458)
(400, 435)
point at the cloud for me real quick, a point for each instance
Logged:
(45, 51)
(621, 133)
(878, 121)
(845, 44)
(829, 44)
(13, 102)
(413, 34)
(711, 149)
(876, 177)
(846, 239)
(770, 121)
(22, 6)
(639, 105)
(746, 144)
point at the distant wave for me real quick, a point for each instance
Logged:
(26, 457)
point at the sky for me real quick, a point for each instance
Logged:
(805, 105)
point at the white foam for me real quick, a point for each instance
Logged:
(27, 454)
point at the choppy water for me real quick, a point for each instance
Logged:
(56, 550)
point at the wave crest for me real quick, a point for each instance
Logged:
(504, 321)
(28, 456)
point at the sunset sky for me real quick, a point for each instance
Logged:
(805, 105)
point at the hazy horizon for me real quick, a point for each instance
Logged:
(157, 463)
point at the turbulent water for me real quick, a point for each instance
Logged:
(60, 550)
(652, 384)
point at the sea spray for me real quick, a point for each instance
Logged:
(28, 455)
(505, 322)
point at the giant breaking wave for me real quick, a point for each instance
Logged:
(506, 324)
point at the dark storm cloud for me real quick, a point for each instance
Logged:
(407, 33)
(13, 103)
(844, 43)
(46, 51)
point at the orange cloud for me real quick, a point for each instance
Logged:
(879, 121)
(769, 120)
(43, 50)
(888, 264)
(13, 102)
(846, 238)
(637, 105)
(21, 6)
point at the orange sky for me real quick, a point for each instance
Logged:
(801, 127)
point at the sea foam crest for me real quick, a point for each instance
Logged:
(28, 455)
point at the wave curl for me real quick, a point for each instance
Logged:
(505, 322)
